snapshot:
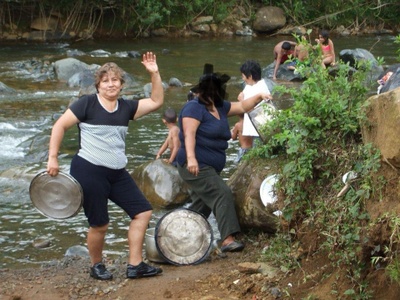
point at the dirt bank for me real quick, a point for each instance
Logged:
(221, 276)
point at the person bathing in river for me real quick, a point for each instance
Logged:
(300, 54)
(327, 49)
(99, 164)
(172, 141)
(282, 52)
(204, 135)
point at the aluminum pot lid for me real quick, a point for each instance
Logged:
(267, 190)
(183, 237)
(56, 197)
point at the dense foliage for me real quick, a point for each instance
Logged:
(135, 16)
(318, 139)
(353, 13)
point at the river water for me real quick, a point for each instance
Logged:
(26, 118)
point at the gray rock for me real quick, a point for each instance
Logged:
(269, 18)
(147, 88)
(134, 54)
(283, 73)
(77, 250)
(4, 89)
(75, 52)
(67, 67)
(201, 28)
(130, 81)
(175, 82)
(121, 54)
(356, 56)
(82, 79)
(41, 243)
(100, 53)
(161, 184)
(246, 31)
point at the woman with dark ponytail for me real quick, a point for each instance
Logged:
(204, 135)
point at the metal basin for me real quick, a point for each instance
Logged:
(183, 237)
(150, 247)
(58, 197)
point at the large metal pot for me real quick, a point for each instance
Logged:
(150, 247)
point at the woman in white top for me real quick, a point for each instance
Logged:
(251, 74)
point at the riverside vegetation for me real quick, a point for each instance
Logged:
(133, 18)
(326, 247)
(318, 140)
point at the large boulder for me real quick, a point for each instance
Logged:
(269, 18)
(67, 67)
(283, 73)
(80, 74)
(382, 127)
(161, 184)
(83, 79)
(245, 184)
(354, 56)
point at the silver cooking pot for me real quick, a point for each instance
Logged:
(151, 248)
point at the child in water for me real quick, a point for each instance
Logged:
(172, 141)
(245, 142)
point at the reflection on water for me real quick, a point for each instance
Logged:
(26, 118)
(17, 245)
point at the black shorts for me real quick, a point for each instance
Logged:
(100, 184)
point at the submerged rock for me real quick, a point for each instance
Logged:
(77, 250)
(41, 243)
(4, 89)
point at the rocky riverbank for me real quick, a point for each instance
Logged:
(242, 275)
(221, 276)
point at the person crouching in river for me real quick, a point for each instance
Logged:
(204, 135)
(99, 164)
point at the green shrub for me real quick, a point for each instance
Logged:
(319, 139)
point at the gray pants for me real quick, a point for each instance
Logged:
(209, 193)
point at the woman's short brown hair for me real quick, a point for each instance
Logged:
(106, 68)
